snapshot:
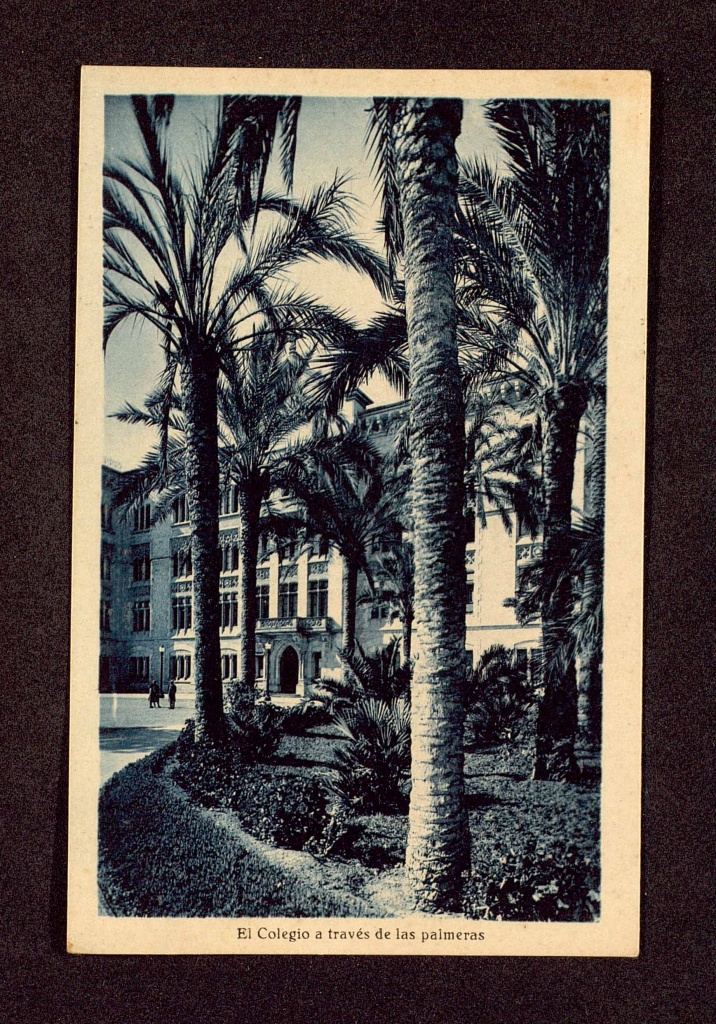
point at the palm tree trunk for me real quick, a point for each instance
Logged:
(198, 382)
(407, 636)
(249, 515)
(557, 715)
(589, 654)
(348, 611)
(438, 852)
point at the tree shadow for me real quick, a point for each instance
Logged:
(512, 776)
(135, 739)
(478, 801)
(292, 761)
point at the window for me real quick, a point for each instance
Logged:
(229, 610)
(319, 548)
(141, 565)
(139, 668)
(229, 666)
(230, 558)
(288, 550)
(388, 541)
(263, 548)
(106, 565)
(521, 659)
(181, 614)
(469, 519)
(180, 509)
(142, 518)
(105, 616)
(260, 661)
(229, 503)
(288, 600)
(381, 605)
(180, 666)
(469, 596)
(140, 617)
(318, 599)
(262, 601)
(181, 562)
(316, 664)
(522, 531)
(107, 518)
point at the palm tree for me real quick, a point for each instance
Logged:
(394, 575)
(414, 145)
(169, 229)
(533, 247)
(266, 448)
(503, 456)
(164, 233)
(350, 509)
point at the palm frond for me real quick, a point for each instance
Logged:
(380, 140)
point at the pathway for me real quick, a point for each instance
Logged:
(130, 729)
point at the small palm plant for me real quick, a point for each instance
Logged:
(371, 772)
(500, 696)
(380, 674)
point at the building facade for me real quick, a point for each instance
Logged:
(146, 606)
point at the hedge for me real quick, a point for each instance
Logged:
(162, 856)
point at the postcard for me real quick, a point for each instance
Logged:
(359, 498)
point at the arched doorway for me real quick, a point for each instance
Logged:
(288, 671)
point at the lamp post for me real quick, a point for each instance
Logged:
(161, 671)
(267, 649)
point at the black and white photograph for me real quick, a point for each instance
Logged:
(358, 512)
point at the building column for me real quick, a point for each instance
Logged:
(273, 581)
(302, 579)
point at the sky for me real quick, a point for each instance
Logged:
(331, 138)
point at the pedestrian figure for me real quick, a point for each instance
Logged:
(154, 695)
(172, 694)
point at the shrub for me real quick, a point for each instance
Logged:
(537, 885)
(372, 772)
(379, 840)
(257, 730)
(281, 805)
(160, 856)
(306, 715)
(330, 697)
(500, 696)
(380, 674)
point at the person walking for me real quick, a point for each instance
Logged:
(172, 694)
(154, 695)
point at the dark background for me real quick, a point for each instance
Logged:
(43, 47)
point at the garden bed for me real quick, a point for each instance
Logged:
(266, 840)
(162, 855)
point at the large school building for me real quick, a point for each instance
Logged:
(146, 621)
